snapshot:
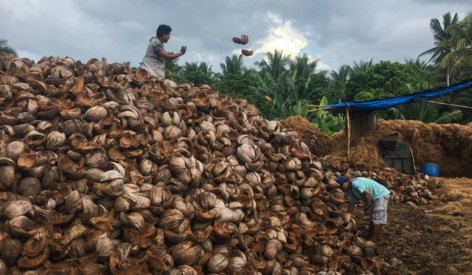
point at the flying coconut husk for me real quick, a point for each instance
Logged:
(247, 52)
(243, 40)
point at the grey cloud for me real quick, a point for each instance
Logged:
(341, 31)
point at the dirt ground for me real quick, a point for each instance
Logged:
(434, 238)
(428, 239)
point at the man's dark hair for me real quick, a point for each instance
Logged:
(162, 30)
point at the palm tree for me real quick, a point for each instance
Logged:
(5, 49)
(205, 68)
(339, 80)
(462, 33)
(274, 65)
(464, 99)
(305, 76)
(425, 70)
(362, 66)
(199, 74)
(305, 68)
(443, 44)
(282, 94)
(233, 65)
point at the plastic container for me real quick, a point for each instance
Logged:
(430, 169)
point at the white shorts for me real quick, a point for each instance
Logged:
(379, 210)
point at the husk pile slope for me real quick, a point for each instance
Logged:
(448, 145)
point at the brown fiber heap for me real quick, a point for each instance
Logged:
(109, 171)
(448, 145)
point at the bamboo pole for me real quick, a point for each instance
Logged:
(348, 126)
(453, 105)
(314, 110)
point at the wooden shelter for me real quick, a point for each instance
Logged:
(360, 118)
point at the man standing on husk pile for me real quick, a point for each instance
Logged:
(156, 54)
(376, 198)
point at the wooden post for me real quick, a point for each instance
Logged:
(348, 126)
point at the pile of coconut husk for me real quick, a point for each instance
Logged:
(448, 145)
(106, 170)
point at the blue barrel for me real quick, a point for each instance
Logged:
(430, 169)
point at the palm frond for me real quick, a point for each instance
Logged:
(397, 113)
(448, 117)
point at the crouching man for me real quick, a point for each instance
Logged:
(375, 198)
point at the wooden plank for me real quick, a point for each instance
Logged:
(363, 123)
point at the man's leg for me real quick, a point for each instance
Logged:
(379, 217)
(375, 232)
(371, 229)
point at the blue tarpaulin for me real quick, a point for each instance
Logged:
(404, 99)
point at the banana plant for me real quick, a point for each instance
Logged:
(282, 94)
(327, 122)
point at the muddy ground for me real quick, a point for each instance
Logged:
(428, 239)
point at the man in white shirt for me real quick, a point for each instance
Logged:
(154, 59)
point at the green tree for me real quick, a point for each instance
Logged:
(307, 82)
(383, 80)
(173, 70)
(427, 72)
(199, 74)
(239, 81)
(462, 55)
(464, 99)
(278, 93)
(326, 122)
(5, 49)
(305, 68)
(236, 85)
(236, 81)
(275, 64)
(338, 81)
(233, 65)
(362, 66)
(425, 111)
(286, 99)
(443, 44)
(319, 86)
(288, 85)
(422, 111)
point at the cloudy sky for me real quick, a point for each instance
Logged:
(336, 32)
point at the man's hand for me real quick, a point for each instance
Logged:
(367, 210)
(183, 49)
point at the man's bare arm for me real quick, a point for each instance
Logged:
(368, 198)
(167, 56)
